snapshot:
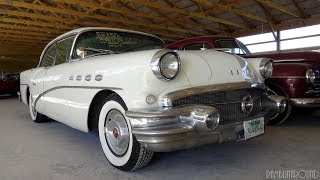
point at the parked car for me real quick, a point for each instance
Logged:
(142, 98)
(295, 74)
(10, 84)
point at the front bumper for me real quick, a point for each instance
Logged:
(184, 127)
(305, 102)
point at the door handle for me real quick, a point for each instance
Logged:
(33, 83)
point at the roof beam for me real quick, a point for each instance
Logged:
(22, 32)
(94, 16)
(44, 30)
(184, 12)
(229, 8)
(289, 24)
(278, 7)
(117, 10)
(299, 9)
(35, 23)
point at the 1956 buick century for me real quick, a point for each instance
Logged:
(142, 98)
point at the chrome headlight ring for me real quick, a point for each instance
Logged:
(311, 76)
(266, 68)
(166, 65)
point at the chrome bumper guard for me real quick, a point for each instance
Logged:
(305, 102)
(184, 127)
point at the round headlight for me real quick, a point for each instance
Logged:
(311, 76)
(169, 65)
(165, 65)
(266, 68)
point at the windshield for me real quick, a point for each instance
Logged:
(233, 46)
(110, 42)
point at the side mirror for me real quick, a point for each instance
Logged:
(81, 52)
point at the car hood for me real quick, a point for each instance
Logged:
(214, 67)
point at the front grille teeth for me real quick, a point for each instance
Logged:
(228, 103)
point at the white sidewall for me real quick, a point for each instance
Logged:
(117, 161)
(33, 117)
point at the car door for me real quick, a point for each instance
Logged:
(36, 85)
(56, 82)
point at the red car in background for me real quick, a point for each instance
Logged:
(10, 84)
(295, 74)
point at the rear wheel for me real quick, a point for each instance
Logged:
(279, 118)
(35, 116)
(119, 145)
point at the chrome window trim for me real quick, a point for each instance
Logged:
(44, 52)
(168, 98)
(68, 55)
(226, 39)
(101, 29)
(54, 42)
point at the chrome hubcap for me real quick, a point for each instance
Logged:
(275, 114)
(117, 132)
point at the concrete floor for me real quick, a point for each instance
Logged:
(55, 151)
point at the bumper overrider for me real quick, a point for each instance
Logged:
(176, 127)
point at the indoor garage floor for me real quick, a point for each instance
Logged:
(55, 151)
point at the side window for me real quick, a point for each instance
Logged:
(49, 56)
(63, 50)
(197, 46)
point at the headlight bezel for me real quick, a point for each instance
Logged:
(157, 69)
(310, 79)
(264, 64)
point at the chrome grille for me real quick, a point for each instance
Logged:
(315, 90)
(228, 103)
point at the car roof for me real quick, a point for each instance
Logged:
(79, 30)
(212, 37)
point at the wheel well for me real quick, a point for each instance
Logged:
(92, 120)
(276, 88)
(28, 94)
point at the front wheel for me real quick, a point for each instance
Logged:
(119, 145)
(279, 118)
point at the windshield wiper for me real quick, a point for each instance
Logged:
(100, 51)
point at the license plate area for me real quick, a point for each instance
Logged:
(253, 128)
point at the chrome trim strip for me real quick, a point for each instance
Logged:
(71, 59)
(292, 60)
(286, 77)
(305, 102)
(170, 97)
(71, 87)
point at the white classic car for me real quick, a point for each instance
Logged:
(142, 98)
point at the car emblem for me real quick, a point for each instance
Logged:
(247, 104)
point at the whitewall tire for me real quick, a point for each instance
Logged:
(35, 116)
(118, 143)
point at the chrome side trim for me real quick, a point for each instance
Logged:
(170, 97)
(288, 60)
(305, 102)
(286, 77)
(72, 87)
